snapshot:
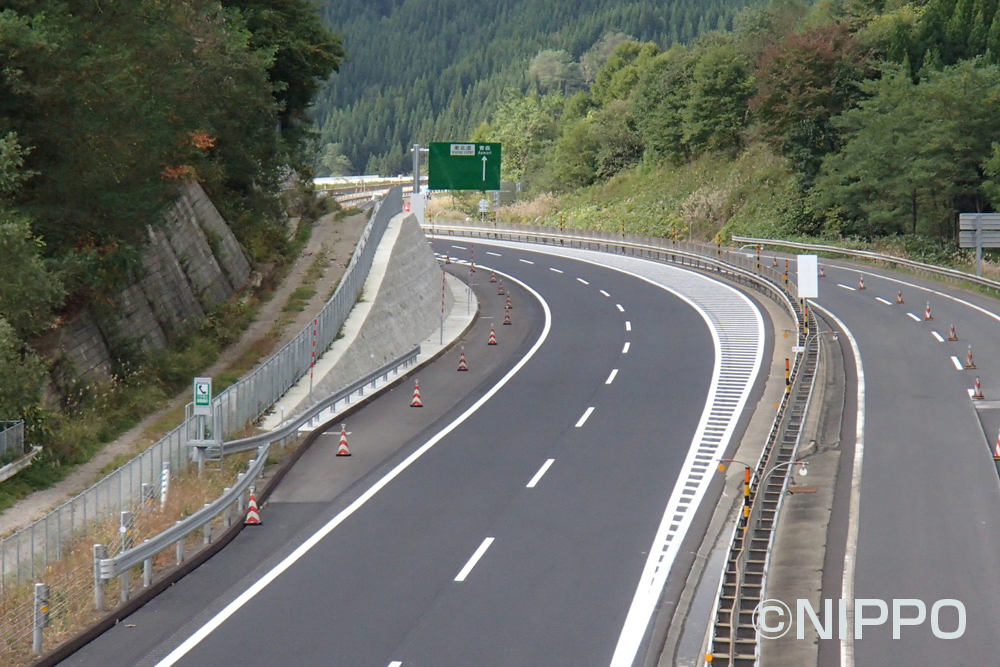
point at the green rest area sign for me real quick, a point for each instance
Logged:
(463, 166)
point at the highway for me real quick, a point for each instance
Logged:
(929, 514)
(528, 515)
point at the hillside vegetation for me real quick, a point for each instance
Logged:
(432, 70)
(849, 118)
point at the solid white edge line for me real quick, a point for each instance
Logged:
(619, 307)
(555, 269)
(316, 537)
(611, 378)
(627, 346)
(914, 317)
(846, 286)
(938, 336)
(581, 280)
(851, 550)
(958, 364)
(475, 559)
(538, 475)
(526, 261)
(583, 419)
(605, 293)
(628, 325)
(888, 303)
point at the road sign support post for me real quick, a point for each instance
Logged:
(41, 617)
(100, 552)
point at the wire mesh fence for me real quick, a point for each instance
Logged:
(11, 440)
(26, 554)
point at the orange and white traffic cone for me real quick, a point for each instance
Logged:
(996, 449)
(253, 513)
(447, 258)
(977, 391)
(509, 305)
(774, 261)
(969, 362)
(822, 272)
(861, 284)
(493, 336)
(927, 312)
(493, 276)
(461, 362)
(500, 291)
(952, 335)
(506, 318)
(899, 297)
(416, 403)
(342, 450)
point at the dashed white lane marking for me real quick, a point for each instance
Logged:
(526, 261)
(541, 471)
(555, 269)
(628, 325)
(914, 317)
(619, 307)
(475, 559)
(605, 293)
(938, 336)
(845, 286)
(495, 254)
(583, 419)
(611, 378)
(958, 364)
(460, 247)
(581, 280)
(888, 303)
(627, 346)
(395, 663)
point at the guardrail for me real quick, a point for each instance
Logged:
(110, 568)
(940, 271)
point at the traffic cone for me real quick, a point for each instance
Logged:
(253, 513)
(461, 362)
(969, 363)
(977, 390)
(342, 450)
(862, 284)
(493, 276)
(506, 318)
(493, 336)
(500, 291)
(822, 272)
(952, 335)
(509, 305)
(774, 261)
(927, 312)
(447, 258)
(416, 403)
(899, 297)
(996, 449)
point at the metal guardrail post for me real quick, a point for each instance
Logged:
(100, 553)
(40, 617)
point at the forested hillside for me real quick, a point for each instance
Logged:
(431, 70)
(852, 118)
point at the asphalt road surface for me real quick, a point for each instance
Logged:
(508, 522)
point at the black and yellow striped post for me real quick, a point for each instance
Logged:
(805, 309)
(718, 245)
(746, 498)
(758, 258)
(788, 376)
(786, 275)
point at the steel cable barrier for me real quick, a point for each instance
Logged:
(59, 546)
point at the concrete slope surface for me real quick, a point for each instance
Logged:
(519, 533)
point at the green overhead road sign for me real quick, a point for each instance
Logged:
(468, 166)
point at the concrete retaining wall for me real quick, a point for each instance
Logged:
(192, 263)
(405, 310)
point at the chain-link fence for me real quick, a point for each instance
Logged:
(11, 440)
(25, 554)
